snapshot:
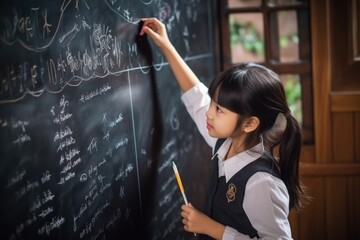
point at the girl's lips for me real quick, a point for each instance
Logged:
(208, 126)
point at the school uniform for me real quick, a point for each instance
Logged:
(265, 200)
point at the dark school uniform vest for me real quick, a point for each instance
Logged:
(225, 202)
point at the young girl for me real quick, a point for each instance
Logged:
(245, 111)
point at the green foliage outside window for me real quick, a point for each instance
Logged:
(293, 95)
(245, 33)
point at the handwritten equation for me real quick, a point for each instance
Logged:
(67, 44)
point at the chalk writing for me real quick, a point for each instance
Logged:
(19, 176)
(48, 227)
(87, 126)
(46, 176)
(29, 186)
(90, 95)
(124, 172)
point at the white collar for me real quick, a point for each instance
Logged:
(231, 166)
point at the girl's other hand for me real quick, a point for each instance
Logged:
(193, 219)
(197, 222)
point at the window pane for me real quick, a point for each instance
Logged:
(293, 93)
(282, 2)
(243, 3)
(289, 38)
(246, 37)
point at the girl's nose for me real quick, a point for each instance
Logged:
(208, 114)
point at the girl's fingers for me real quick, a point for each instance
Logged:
(154, 29)
(152, 23)
(149, 32)
(147, 28)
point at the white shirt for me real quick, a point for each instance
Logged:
(266, 200)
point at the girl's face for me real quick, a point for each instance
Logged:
(220, 122)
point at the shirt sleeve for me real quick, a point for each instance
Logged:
(232, 234)
(197, 102)
(266, 203)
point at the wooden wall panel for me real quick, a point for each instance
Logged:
(354, 207)
(343, 137)
(321, 58)
(357, 137)
(312, 222)
(334, 176)
(307, 154)
(294, 219)
(345, 101)
(336, 208)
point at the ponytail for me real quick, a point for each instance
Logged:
(289, 154)
(286, 134)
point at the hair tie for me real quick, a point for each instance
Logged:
(274, 134)
(288, 113)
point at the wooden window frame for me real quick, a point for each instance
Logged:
(302, 67)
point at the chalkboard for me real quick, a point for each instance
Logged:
(91, 118)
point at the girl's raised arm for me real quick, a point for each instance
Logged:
(157, 31)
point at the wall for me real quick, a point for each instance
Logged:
(331, 168)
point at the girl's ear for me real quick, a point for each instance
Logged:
(251, 124)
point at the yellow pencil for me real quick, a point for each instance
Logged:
(178, 179)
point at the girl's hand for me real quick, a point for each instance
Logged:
(193, 219)
(185, 77)
(197, 222)
(156, 30)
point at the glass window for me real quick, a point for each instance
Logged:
(246, 37)
(275, 33)
(243, 3)
(292, 87)
(281, 2)
(288, 36)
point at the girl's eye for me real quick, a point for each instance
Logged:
(218, 109)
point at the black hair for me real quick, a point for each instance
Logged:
(250, 89)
